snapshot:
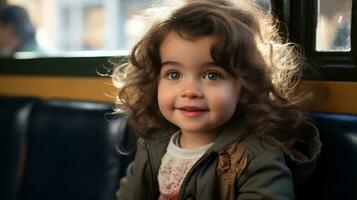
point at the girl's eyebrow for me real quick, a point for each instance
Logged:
(210, 64)
(170, 63)
(205, 64)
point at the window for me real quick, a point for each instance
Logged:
(333, 30)
(325, 30)
(77, 36)
(66, 27)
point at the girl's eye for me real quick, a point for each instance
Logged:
(212, 76)
(173, 75)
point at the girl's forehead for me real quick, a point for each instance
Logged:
(176, 40)
(187, 37)
(175, 47)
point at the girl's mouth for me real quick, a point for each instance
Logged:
(192, 111)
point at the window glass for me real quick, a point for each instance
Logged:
(333, 30)
(87, 27)
(265, 4)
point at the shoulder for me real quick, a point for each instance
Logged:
(251, 148)
(305, 149)
(152, 148)
(250, 153)
(264, 159)
(256, 147)
(156, 138)
(266, 174)
(249, 157)
(256, 168)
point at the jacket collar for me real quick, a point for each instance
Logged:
(229, 134)
(157, 146)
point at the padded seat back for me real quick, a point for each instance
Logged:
(70, 152)
(335, 176)
(14, 112)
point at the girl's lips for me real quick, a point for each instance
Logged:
(192, 111)
(192, 108)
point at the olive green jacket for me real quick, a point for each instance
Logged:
(231, 169)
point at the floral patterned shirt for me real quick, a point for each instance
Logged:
(174, 166)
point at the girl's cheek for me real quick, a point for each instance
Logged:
(226, 99)
(165, 96)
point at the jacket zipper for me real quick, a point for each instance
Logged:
(190, 172)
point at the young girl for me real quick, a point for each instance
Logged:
(209, 92)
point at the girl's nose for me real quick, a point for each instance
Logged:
(192, 91)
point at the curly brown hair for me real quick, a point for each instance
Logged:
(248, 47)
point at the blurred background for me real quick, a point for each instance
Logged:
(99, 27)
(65, 27)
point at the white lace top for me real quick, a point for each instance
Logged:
(174, 166)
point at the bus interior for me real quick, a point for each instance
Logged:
(59, 136)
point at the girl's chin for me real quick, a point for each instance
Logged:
(197, 130)
(192, 129)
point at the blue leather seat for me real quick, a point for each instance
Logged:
(14, 115)
(70, 152)
(335, 176)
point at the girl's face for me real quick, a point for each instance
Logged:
(193, 92)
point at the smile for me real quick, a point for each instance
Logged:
(192, 111)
